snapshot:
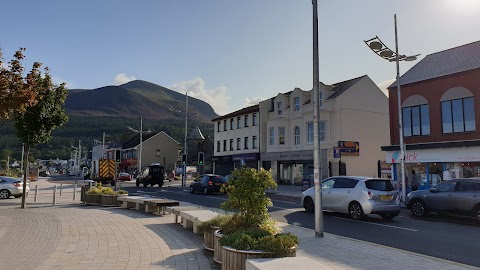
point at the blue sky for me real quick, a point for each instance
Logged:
(229, 53)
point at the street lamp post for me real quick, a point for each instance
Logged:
(377, 46)
(140, 145)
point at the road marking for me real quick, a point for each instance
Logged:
(395, 227)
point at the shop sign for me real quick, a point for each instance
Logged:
(222, 158)
(464, 154)
(348, 148)
(245, 157)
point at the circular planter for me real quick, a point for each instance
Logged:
(109, 200)
(234, 259)
(217, 248)
(93, 199)
(209, 238)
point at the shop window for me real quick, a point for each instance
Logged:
(296, 132)
(416, 120)
(271, 133)
(458, 115)
(296, 104)
(281, 135)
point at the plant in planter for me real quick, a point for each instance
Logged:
(94, 195)
(209, 227)
(251, 232)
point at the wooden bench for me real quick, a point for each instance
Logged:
(303, 263)
(193, 218)
(175, 210)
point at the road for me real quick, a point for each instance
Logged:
(443, 237)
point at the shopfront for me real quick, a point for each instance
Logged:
(249, 160)
(432, 166)
(222, 165)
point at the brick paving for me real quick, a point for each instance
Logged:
(71, 236)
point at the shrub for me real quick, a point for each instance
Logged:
(107, 191)
(122, 192)
(94, 191)
(279, 245)
(218, 221)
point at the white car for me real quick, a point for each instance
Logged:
(10, 186)
(356, 196)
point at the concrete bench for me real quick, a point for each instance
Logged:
(303, 263)
(155, 205)
(177, 209)
(191, 219)
(133, 202)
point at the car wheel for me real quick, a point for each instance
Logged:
(418, 208)
(205, 191)
(137, 183)
(4, 194)
(192, 190)
(355, 211)
(145, 184)
(387, 216)
(476, 213)
(308, 205)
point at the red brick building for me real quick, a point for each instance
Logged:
(440, 99)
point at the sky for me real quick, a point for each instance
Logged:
(229, 53)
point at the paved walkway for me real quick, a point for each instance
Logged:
(70, 236)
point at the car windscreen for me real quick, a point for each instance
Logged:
(217, 178)
(156, 170)
(380, 185)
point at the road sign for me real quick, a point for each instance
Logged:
(348, 148)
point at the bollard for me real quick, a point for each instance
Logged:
(74, 191)
(61, 186)
(36, 190)
(54, 194)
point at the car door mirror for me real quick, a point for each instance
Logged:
(434, 190)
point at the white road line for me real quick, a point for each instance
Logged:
(390, 226)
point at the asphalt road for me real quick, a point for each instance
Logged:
(455, 239)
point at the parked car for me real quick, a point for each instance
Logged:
(208, 183)
(151, 175)
(457, 196)
(356, 196)
(10, 186)
(44, 173)
(123, 176)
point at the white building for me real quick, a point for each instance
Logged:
(353, 111)
(236, 140)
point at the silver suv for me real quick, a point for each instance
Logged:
(457, 196)
(357, 196)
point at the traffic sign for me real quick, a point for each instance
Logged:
(349, 148)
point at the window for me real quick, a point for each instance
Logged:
(322, 131)
(448, 186)
(224, 145)
(458, 115)
(279, 108)
(296, 104)
(238, 143)
(281, 135)
(328, 183)
(238, 122)
(224, 125)
(218, 126)
(380, 185)
(271, 133)
(231, 144)
(246, 120)
(254, 119)
(245, 146)
(345, 183)
(310, 132)
(254, 142)
(218, 146)
(416, 120)
(231, 124)
(157, 153)
(296, 133)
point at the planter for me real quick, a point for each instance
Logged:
(217, 252)
(234, 259)
(109, 200)
(209, 238)
(93, 199)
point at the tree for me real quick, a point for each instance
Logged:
(35, 124)
(17, 92)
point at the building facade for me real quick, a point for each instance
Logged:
(236, 140)
(439, 101)
(352, 112)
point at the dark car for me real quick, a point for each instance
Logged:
(152, 175)
(208, 183)
(457, 196)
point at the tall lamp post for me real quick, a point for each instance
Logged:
(378, 47)
(140, 145)
(185, 150)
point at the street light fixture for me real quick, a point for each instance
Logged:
(140, 145)
(378, 47)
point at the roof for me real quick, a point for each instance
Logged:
(341, 87)
(196, 134)
(443, 63)
(243, 111)
(135, 140)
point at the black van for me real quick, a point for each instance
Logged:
(151, 175)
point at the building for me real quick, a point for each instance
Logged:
(439, 101)
(352, 112)
(196, 143)
(157, 147)
(236, 137)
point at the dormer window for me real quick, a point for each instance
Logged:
(279, 108)
(296, 104)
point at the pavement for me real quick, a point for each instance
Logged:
(68, 235)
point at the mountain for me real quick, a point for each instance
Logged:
(134, 99)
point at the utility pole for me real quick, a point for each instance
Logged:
(184, 174)
(317, 171)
